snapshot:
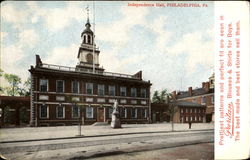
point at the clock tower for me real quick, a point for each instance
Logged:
(88, 53)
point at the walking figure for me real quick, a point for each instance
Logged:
(190, 124)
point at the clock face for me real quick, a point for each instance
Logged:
(89, 58)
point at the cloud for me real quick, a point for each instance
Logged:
(10, 14)
(28, 38)
(197, 50)
(117, 32)
(3, 35)
(65, 56)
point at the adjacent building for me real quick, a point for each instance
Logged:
(14, 111)
(62, 95)
(202, 96)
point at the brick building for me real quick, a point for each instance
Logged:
(186, 112)
(14, 111)
(203, 96)
(62, 95)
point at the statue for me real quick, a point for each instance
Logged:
(116, 122)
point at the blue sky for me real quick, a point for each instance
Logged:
(173, 46)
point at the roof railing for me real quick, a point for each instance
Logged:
(84, 70)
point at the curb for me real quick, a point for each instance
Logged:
(118, 134)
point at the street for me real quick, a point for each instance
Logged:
(120, 144)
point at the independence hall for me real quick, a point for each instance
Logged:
(85, 94)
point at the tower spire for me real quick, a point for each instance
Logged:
(87, 8)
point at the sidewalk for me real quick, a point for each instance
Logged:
(36, 133)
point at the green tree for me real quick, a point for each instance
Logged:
(14, 82)
(160, 97)
(1, 88)
(170, 101)
(27, 86)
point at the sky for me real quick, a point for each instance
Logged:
(173, 46)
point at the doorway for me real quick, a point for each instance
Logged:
(100, 115)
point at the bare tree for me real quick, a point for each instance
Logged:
(172, 108)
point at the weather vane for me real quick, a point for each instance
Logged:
(87, 8)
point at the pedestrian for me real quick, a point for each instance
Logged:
(190, 124)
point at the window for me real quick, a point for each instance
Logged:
(112, 90)
(110, 112)
(133, 92)
(194, 100)
(60, 112)
(59, 86)
(124, 112)
(143, 93)
(195, 118)
(89, 88)
(123, 91)
(43, 85)
(182, 110)
(191, 110)
(44, 111)
(89, 112)
(203, 100)
(75, 87)
(191, 118)
(89, 39)
(75, 112)
(100, 90)
(186, 110)
(212, 99)
(134, 113)
(144, 113)
(186, 119)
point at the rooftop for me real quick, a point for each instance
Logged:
(88, 71)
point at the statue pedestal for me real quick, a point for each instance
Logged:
(116, 122)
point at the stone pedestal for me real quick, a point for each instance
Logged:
(116, 122)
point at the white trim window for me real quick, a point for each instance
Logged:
(123, 112)
(110, 112)
(144, 112)
(133, 112)
(186, 110)
(89, 88)
(182, 110)
(100, 90)
(75, 111)
(143, 93)
(191, 118)
(59, 86)
(89, 112)
(212, 99)
(186, 119)
(60, 112)
(123, 91)
(44, 111)
(133, 92)
(112, 90)
(44, 85)
(195, 118)
(75, 87)
(191, 110)
(203, 100)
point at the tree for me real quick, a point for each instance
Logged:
(169, 100)
(27, 86)
(14, 82)
(172, 108)
(160, 97)
(1, 74)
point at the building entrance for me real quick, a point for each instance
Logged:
(100, 115)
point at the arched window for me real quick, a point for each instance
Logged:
(89, 39)
(84, 39)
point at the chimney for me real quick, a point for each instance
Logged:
(38, 60)
(203, 85)
(206, 86)
(190, 91)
